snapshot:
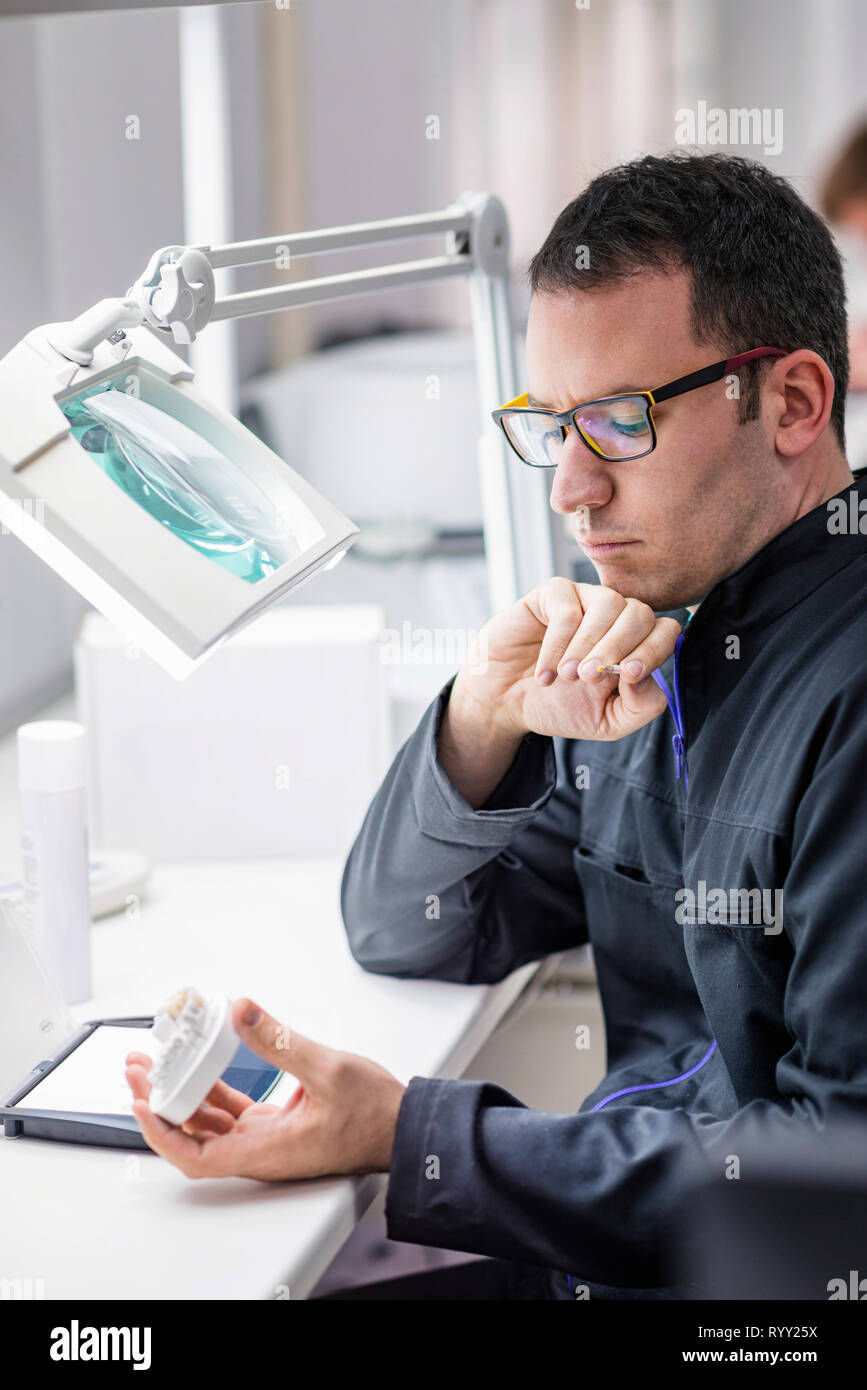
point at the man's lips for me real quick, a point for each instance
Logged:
(603, 547)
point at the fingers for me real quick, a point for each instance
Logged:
(639, 642)
(641, 702)
(181, 1145)
(184, 1150)
(576, 616)
(221, 1095)
(208, 1119)
(288, 1050)
(138, 1080)
(227, 1098)
(216, 1115)
(589, 625)
(557, 605)
(607, 629)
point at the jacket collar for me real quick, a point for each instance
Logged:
(786, 570)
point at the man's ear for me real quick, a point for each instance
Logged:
(800, 388)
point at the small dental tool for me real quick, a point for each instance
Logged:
(199, 1041)
(609, 670)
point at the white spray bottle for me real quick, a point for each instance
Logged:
(53, 819)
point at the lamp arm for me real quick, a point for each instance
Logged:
(176, 295)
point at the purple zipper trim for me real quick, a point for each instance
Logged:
(651, 1086)
(655, 1085)
(678, 741)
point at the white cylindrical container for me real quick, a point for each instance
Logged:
(53, 818)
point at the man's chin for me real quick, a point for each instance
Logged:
(662, 597)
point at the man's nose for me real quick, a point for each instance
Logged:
(581, 479)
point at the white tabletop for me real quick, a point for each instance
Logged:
(102, 1223)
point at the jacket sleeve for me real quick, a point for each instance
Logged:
(435, 889)
(599, 1194)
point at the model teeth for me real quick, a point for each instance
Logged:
(180, 998)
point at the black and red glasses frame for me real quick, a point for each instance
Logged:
(567, 419)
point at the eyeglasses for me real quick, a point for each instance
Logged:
(614, 427)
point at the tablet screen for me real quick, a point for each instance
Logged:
(91, 1080)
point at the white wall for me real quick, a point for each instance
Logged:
(804, 58)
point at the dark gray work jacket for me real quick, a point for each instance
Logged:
(726, 907)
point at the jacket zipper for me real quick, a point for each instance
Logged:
(678, 741)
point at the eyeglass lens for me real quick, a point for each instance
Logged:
(618, 429)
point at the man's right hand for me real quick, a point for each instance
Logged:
(533, 669)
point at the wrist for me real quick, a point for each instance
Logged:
(474, 748)
(386, 1129)
(479, 720)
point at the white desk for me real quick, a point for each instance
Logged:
(104, 1223)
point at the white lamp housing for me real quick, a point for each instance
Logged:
(159, 507)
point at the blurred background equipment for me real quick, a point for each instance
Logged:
(274, 747)
(390, 422)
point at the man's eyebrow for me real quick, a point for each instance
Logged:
(625, 390)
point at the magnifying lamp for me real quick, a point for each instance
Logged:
(157, 505)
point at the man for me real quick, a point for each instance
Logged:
(711, 850)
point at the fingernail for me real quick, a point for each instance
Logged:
(633, 668)
(590, 668)
(569, 670)
(252, 1016)
(547, 677)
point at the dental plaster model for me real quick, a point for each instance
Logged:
(199, 1041)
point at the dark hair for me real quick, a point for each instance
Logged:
(846, 180)
(765, 269)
